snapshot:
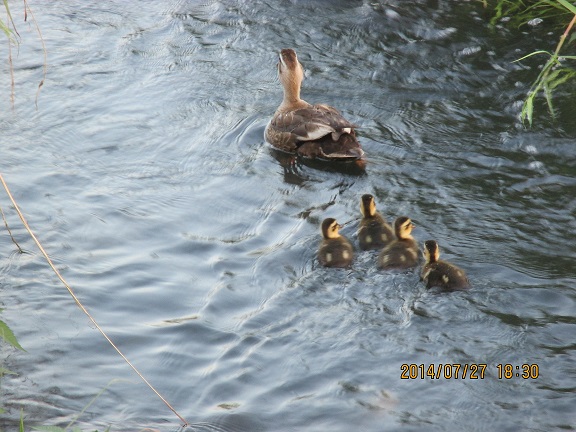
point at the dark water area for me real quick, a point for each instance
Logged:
(145, 175)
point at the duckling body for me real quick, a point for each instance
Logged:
(402, 253)
(313, 131)
(374, 232)
(439, 273)
(335, 250)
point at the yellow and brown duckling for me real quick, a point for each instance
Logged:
(335, 250)
(374, 232)
(402, 253)
(312, 131)
(439, 273)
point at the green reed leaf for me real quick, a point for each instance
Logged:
(8, 336)
(568, 6)
(4, 371)
(527, 109)
(559, 77)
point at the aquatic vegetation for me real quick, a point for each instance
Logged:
(59, 429)
(8, 336)
(519, 13)
(13, 37)
(73, 295)
(4, 27)
(554, 72)
(71, 426)
(551, 76)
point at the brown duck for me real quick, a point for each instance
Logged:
(311, 131)
(335, 249)
(402, 253)
(374, 232)
(439, 273)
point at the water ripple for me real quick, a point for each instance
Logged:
(145, 174)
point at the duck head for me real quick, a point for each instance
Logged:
(367, 205)
(291, 74)
(431, 251)
(403, 227)
(330, 228)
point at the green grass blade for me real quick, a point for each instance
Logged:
(548, 96)
(8, 11)
(75, 419)
(532, 54)
(6, 30)
(49, 428)
(568, 6)
(10, 20)
(4, 371)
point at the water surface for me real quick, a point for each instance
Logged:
(144, 174)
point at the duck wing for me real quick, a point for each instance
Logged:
(312, 123)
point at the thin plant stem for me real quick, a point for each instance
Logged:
(75, 419)
(80, 305)
(10, 63)
(44, 51)
(565, 34)
(10, 232)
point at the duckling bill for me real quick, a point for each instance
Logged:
(335, 249)
(374, 232)
(439, 273)
(402, 253)
(312, 131)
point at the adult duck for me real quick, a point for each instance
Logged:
(312, 131)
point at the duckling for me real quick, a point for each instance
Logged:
(374, 231)
(312, 131)
(335, 250)
(402, 253)
(436, 272)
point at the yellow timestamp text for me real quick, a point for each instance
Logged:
(525, 371)
(466, 371)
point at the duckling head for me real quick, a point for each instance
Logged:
(330, 228)
(431, 251)
(291, 73)
(403, 227)
(367, 205)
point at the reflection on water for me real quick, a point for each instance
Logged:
(145, 175)
(294, 167)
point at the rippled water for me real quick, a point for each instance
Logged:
(144, 174)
